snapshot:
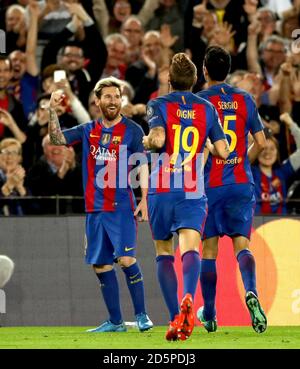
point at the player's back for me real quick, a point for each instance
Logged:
(188, 120)
(238, 115)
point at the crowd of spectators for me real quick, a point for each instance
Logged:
(134, 41)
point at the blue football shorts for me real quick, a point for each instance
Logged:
(169, 212)
(110, 235)
(230, 210)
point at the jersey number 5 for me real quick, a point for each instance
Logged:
(182, 141)
(230, 132)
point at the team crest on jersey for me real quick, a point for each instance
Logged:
(105, 138)
(150, 111)
(116, 140)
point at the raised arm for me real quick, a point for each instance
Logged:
(102, 16)
(8, 121)
(251, 51)
(31, 42)
(292, 126)
(257, 146)
(55, 133)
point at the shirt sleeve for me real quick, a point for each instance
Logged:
(73, 135)
(138, 146)
(254, 121)
(216, 132)
(137, 142)
(154, 115)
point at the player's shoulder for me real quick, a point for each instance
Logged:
(132, 125)
(87, 126)
(245, 94)
(160, 100)
(200, 99)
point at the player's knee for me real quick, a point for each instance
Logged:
(164, 247)
(126, 261)
(209, 253)
(102, 268)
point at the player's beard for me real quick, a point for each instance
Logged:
(108, 114)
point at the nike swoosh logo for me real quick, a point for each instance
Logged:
(91, 135)
(129, 248)
(134, 276)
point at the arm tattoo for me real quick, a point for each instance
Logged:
(55, 133)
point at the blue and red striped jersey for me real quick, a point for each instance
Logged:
(105, 162)
(188, 120)
(239, 116)
(271, 191)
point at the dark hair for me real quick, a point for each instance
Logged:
(49, 70)
(217, 62)
(43, 96)
(182, 72)
(70, 44)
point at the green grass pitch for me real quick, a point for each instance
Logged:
(76, 337)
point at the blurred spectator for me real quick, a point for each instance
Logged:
(84, 61)
(94, 110)
(143, 74)
(137, 112)
(278, 6)
(272, 53)
(8, 123)
(133, 30)
(71, 114)
(271, 177)
(24, 83)
(109, 20)
(15, 28)
(10, 127)
(236, 14)
(267, 23)
(117, 46)
(37, 130)
(170, 13)
(53, 17)
(290, 23)
(56, 173)
(12, 177)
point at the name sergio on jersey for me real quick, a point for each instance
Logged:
(223, 105)
(102, 153)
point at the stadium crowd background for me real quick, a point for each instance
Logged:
(133, 41)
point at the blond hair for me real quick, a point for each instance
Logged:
(183, 72)
(6, 142)
(107, 82)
